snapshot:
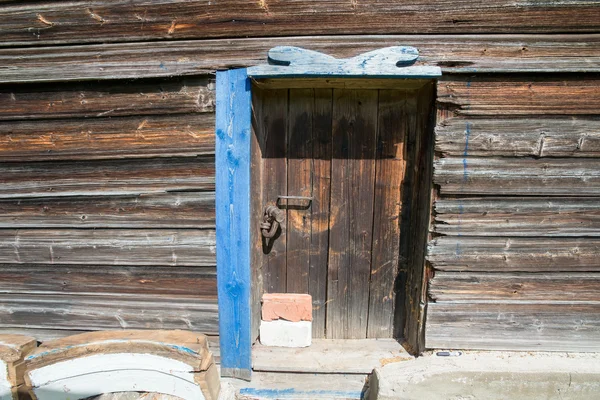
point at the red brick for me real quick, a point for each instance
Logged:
(288, 306)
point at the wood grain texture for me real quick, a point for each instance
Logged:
(123, 177)
(108, 247)
(273, 139)
(516, 137)
(480, 254)
(518, 176)
(321, 192)
(390, 167)
(453, 53)
(518, 217)
(172, 210)
(329, 358)
(185, 135)
(485, 287)
(387, 62)
(79, 312)
(351, 222)
(233, 191)
(114, 281)
(528, 326)
(257, 258)
(58, 22)
(420, 144)
(110, 99)
(299, 183)
(520, 95)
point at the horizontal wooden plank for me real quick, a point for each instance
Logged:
(122, 177)
(453, 53)
(547, 287)
(518, 176)
(171, 210)
(330, 356)
(43, 335)
(75, 312)
(520, 96)
(340, 83)
(448, 253)
(540, 137)
(109, 99)
(104, 138)
(529, 327)
(122, 20)
(188, 247)
(112, 281)
(517, 216)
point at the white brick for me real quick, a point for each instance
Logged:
(283, 333)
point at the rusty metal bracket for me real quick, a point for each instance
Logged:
(300, 198)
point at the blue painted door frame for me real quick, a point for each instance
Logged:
(233, 147)
(233, 130)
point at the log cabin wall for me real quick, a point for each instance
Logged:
(107, 206)
(107, 169)
(515, 222)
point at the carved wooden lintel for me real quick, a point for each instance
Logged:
(388, 62)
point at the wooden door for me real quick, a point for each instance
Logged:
(345, 149)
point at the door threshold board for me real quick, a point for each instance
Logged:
(340, 356)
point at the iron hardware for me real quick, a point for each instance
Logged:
(301, 198)
(272, 218)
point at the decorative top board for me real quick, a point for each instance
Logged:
(389, 62)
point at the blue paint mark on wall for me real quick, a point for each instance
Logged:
(308, 394)
(232, 206)
(466, 152)
(461, 210)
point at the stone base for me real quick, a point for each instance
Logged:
(490, 376)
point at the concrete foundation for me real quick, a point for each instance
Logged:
(490, 376)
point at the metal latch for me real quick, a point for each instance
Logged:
(301, 198)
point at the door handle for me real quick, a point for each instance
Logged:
(272, 218)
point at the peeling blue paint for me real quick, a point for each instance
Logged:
(309, 394)
(232, 206)
(388, 62)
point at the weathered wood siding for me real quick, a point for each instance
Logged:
(107, 160)
(107, 206)
(515, 222)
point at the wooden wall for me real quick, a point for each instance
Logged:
(107, 206)
(107, 174)
(516, 221)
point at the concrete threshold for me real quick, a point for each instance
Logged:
(490, 376)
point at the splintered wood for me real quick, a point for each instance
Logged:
(13, 349)
(175, 363)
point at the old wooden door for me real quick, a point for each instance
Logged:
(347, 150)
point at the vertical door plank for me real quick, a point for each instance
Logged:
(408, 205)
(390, 167)
(351, 222)
(257, 258)
(321, 186)
(274, 183)
(232, 154)
(299, 183)
(419, 225)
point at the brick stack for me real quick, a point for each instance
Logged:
(286, 320)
